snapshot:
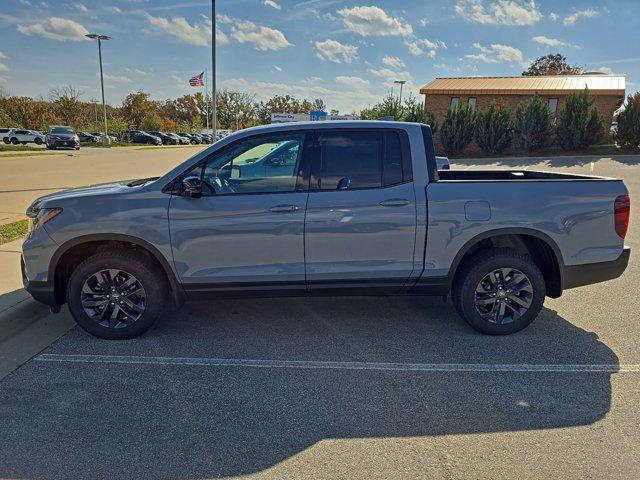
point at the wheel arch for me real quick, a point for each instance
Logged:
(71, 252)
(540, 246)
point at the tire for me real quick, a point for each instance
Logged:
(474, 284)
(6, 140)
(38, 141)
(150, 299)
(15, 141)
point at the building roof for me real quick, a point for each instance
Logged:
(548, 85)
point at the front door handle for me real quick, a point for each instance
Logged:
(395, 202)
(284, 208)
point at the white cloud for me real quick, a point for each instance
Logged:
(389, 76)
(497, 53)
(393, 62)
(336, 52)
(500, 12)
(3, 67)
(607, 71)
(262, 38)
(575, 16)
(112, 10)
(117, 78)
(424, 22)
(56, 28)
(193, 34)
(25, 2)
(277, 68)
(425, 46)
(80, 6)
(552, 42)
(355, 83)
(373, 21)
(272, 4)
(554, 17)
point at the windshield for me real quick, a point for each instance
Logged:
(67, 130)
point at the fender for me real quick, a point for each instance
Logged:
(178, 292)
(506, 231)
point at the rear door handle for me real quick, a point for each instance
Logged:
(284, 208)
(395, 202)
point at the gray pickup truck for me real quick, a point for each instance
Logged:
(324, 208)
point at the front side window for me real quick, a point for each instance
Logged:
(356, 156)
(260, 164)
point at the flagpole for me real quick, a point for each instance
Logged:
(214, 72)
(206, 100)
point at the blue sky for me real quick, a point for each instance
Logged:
(345, 52)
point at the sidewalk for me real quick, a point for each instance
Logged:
(26, 326)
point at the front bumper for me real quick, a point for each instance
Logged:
(63, 144)
(43, 292)
(578, 275)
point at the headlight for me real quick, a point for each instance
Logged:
(39, 216)
(54, 137)
(76, 138)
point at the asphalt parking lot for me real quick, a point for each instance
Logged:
(335, 387)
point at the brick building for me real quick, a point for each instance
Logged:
(442, 93)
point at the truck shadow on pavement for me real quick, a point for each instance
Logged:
(107, 420)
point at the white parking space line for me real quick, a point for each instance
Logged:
(321, 365)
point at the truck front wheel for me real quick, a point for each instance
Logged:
(498, 291)
(116, 294)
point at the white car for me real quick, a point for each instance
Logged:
(25, 136)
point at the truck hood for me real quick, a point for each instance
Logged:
(52, 199)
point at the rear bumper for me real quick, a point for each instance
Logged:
(43, 292)
(579, 275)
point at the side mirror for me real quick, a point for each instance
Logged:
(343, 184)
(192, 186)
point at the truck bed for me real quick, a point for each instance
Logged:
(511, 175)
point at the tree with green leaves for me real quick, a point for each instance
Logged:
(580, 123)
(551, 64)
(533, 129)
(415, 111)
(494, 129)
(628, 135)
(457, 129)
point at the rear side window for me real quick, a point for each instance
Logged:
(369, 159)
(353, 155)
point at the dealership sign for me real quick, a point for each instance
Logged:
(289, 117)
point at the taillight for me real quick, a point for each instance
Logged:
(622, 209)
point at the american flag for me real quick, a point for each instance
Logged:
(197, 80)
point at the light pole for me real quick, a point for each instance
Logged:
(95, 36)
(214, 72)
(401, 82)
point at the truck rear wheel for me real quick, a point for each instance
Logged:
(498, 291)
(116, 295)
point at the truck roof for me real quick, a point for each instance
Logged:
(329, 124)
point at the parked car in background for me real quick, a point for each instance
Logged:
(138, 136)
(192, 138)
(179, 140)
(206, 138)
(61, 136)
(324, 208)
(88, 137)
(17, 136)
(166, 139)
(112, 136)
(443, 163)
(4, 134)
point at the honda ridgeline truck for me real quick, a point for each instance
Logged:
(324, 208)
